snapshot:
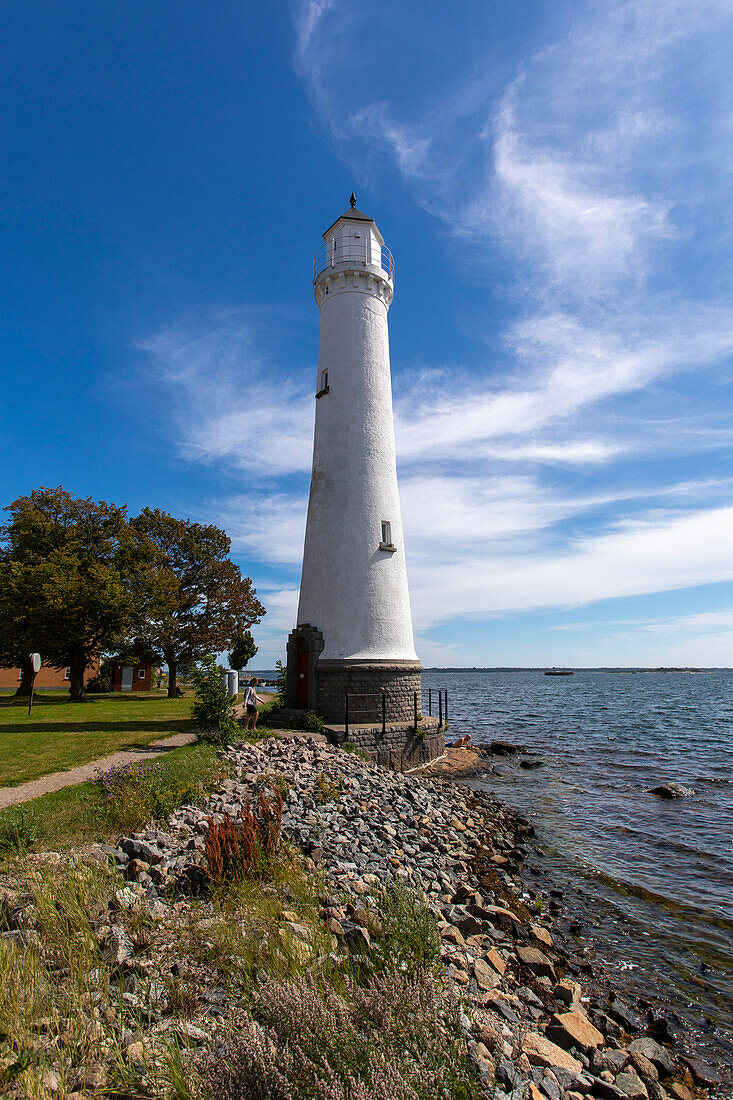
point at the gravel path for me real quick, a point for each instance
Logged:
(9, 796)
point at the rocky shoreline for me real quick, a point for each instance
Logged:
(536, 1020)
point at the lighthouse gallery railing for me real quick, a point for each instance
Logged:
(363, 253)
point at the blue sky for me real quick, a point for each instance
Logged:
(555, 183)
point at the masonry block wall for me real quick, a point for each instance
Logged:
(400, 747)
(399, 682)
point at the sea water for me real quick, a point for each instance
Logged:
(653, 877)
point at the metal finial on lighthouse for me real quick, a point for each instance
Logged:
(352, 200)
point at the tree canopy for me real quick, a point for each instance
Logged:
(203, 602)
(243, 650)
(78, 579)
(67, 581)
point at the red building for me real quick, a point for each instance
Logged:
(47, 679)
(132, 677)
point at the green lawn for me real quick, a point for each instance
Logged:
(76, 816)
(60, 735)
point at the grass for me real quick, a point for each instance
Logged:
(376, 1025)
(59, 735)
(77, 816)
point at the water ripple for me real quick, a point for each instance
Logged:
(657, 875)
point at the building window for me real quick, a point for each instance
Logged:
(386, 543)
(67, 672)
(141, 674)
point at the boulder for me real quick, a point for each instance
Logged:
(703, 1073)
(606, 1091)
(671, 790)
(613, 1060)
(574, 1029)
(117, 946)
(536, 961)
(680, 1091)
(485, 975)
(568, 992)
(646, 1069)
(652, 1050)
(140, 849)
(541, 934)
(542, 1052)
(494, 959)
(497, 915)
(631, 1086)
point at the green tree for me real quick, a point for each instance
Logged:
(69, 574)
(213, 707)
(242, 651)
(202, 602)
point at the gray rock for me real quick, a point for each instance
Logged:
(672, 790)
(652, 1050)
(631, 1086)
(485, 975)
(140, 849)
(117, 946)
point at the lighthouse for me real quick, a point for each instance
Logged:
(354, 627)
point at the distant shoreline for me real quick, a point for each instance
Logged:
(550, 668)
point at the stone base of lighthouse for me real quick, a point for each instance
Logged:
(323, 685)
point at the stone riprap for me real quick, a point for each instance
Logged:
(531, 1028)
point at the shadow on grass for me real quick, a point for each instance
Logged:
(138, 725)
(61, 698)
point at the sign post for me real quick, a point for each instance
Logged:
(35, 659)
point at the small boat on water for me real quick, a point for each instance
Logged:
(559, 672)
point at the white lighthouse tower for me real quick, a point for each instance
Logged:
(354, 627)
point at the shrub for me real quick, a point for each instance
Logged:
(410, 939)
(134, 793)
(247, 847)
(314, 723)
(356, 750)
(385, 1042)
(213, 707)
(326, 790)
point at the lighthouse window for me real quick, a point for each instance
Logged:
(324, 384)
(386, 543)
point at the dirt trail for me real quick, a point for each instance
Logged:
(24, 792)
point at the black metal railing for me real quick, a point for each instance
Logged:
(442, 706)
(362, 707)
(348, 250)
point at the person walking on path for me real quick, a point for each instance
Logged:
(251, 699)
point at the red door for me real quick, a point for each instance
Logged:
(303, 676)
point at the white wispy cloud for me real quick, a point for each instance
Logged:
(584, 180)
(655, 554)
(226, 406)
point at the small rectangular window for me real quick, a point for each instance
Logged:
(141, 674)
(386, 543)
(323, 383)
(67, 673)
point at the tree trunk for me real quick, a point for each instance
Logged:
(77, 667)
(172, 668)
(26, 678)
